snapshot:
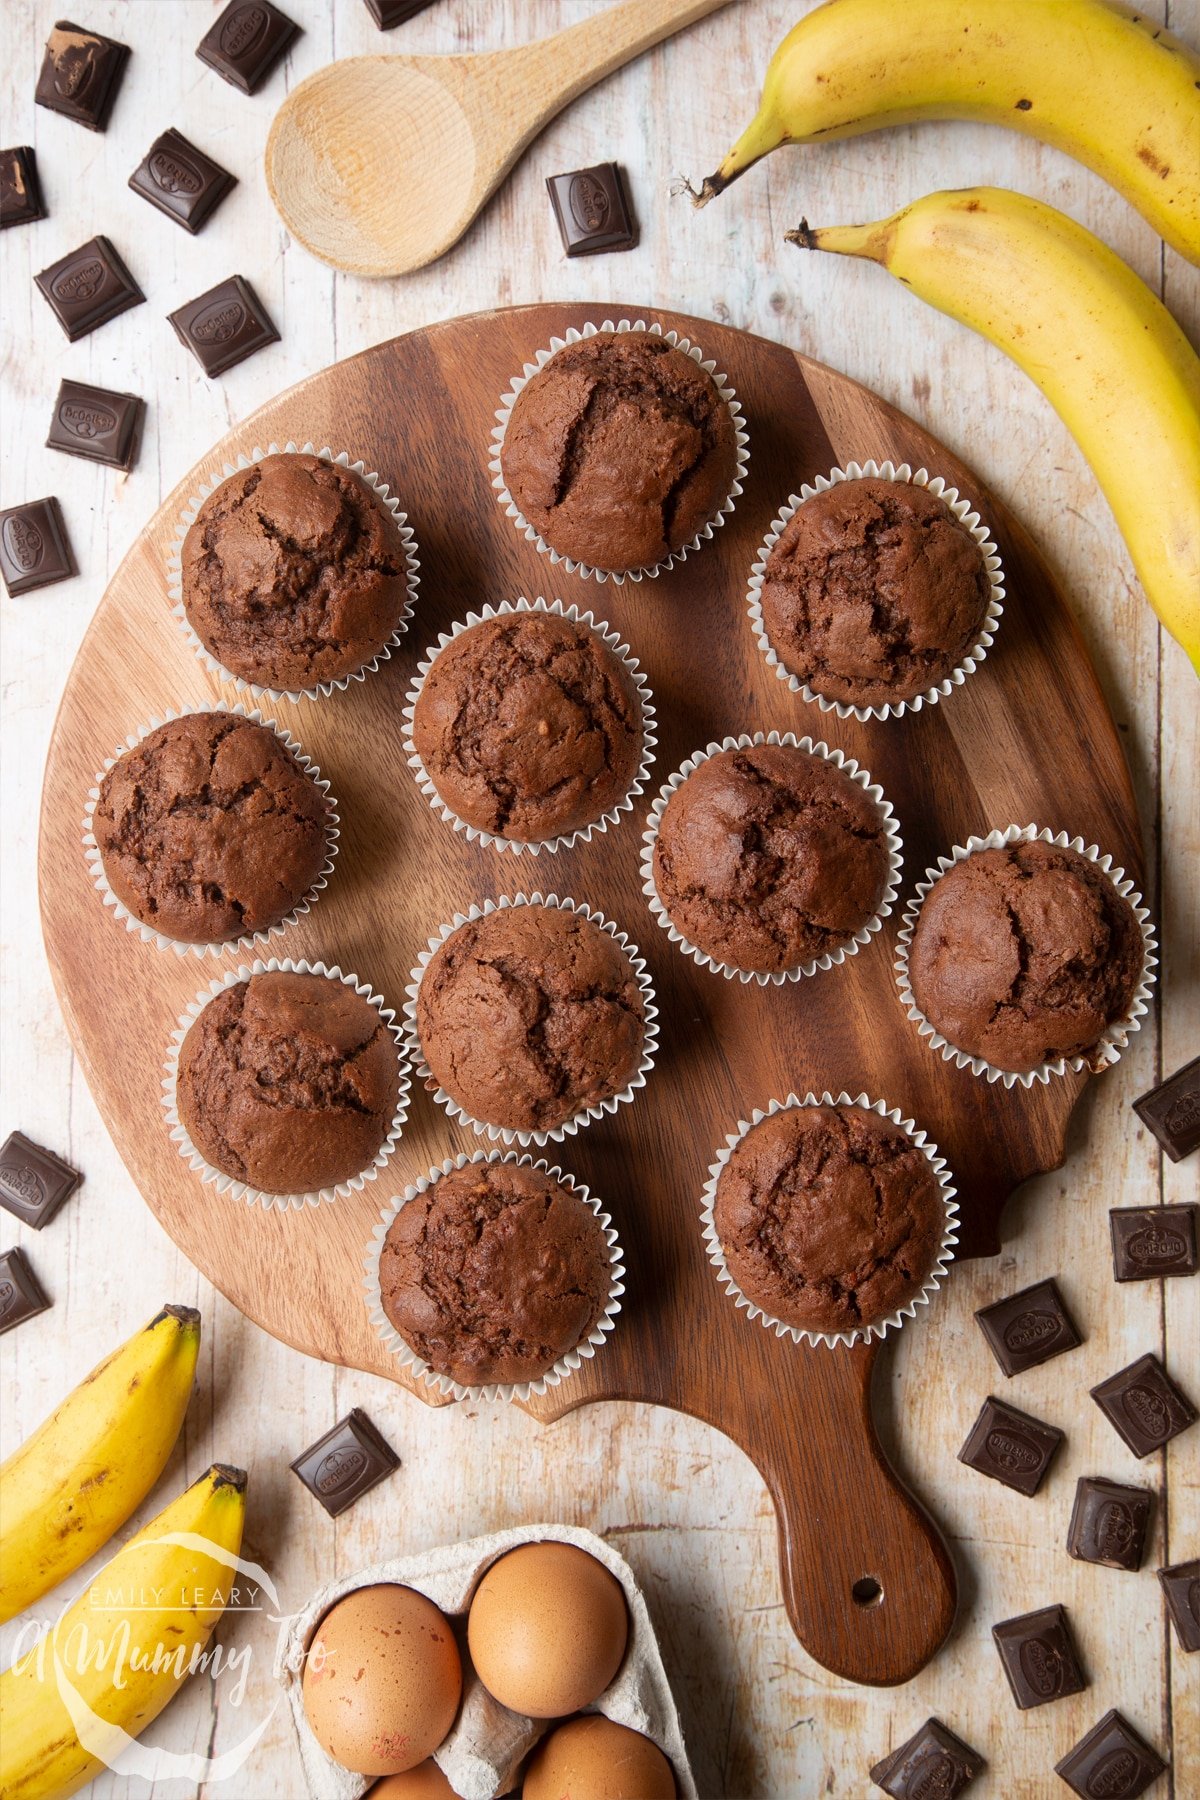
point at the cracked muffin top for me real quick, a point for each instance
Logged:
(619, 450)
(529, 726)
(293, 573)
(1024, 954)
(529, 1015)
(874, 592)
(830, 1217)
(769, 857)
(289, 1082)
(209, 828)
(494, 1273)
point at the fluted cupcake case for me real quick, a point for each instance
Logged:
(1109, 1049)
(568, 1362)
(880, 1327)
(962, 511)
(829, 958)
(584, 833)
(251, 941)
(540, 359)
(229, 1184)
(187, 519)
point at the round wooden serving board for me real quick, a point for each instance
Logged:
(1028, 737)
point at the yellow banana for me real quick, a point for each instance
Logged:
(114, 1659)
(1103, 349)
(1094, 78)
(85, 1471)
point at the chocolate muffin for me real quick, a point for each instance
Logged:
(494, 1273)
(210, 829)
(830, 1217)
(529, 1015)
(1024, 954)
(874, 592)
(769, 857)
(288, 1082)
(529, 726)
(294, 573)
(619, 450)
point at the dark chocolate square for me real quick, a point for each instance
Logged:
(932, 1762)
(387, 13)
(96, 423)
(20, 190)
(1181, 1590)
(343, 1464)
(1109, 1523)
(592, 210)
(89, 287)
(247, 41)
(81, 72)
(1149, 1241)
(1144, 1405)
(1172, 1111)
(1038, 1656)
(21, 1294)
(224, 326)
(1111, 1760)
(181, 181)
(33, 1181)
(35, 551)
(1009, 1446)
(1028, 1328)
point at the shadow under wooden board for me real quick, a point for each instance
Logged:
(1028, 737)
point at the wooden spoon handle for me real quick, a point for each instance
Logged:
(556, 70)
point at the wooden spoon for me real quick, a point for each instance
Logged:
(378, 164)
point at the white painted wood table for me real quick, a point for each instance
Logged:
(684, 1506)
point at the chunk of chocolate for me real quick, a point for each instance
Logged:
(96, 423)
(1038, 1656)
(247, 41)
(387, 13)
(1009, 1446)
(932, 1762)
(34, 548)
(1109, 1523)
(1149, 1241)
(20, 190)
(1028, 1328)
(1172, 1111)
(81, 72)
(181, 181)
(21, 1294)
(592, 211)
(224, 326)
(33, 1181)
(89, 287)
(343, 1464)
(1181, 1590)
(1112, 1760)
(1144, 1405)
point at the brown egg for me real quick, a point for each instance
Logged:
(425, 1782)
(547, 1629)
(382, 1680)
(597, 1759)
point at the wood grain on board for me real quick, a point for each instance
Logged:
(1028, 737)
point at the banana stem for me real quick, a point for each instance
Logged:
(763, 134)
(871, 241)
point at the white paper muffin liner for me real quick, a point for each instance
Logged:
(878, 1328)
(474, 833)
(773, 977)
(568, 1362)
(963, 513)
(187, 519)
(251, 940)
(541, 358)
(499, 1133)
(229, 1184)
(1109, 1049)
